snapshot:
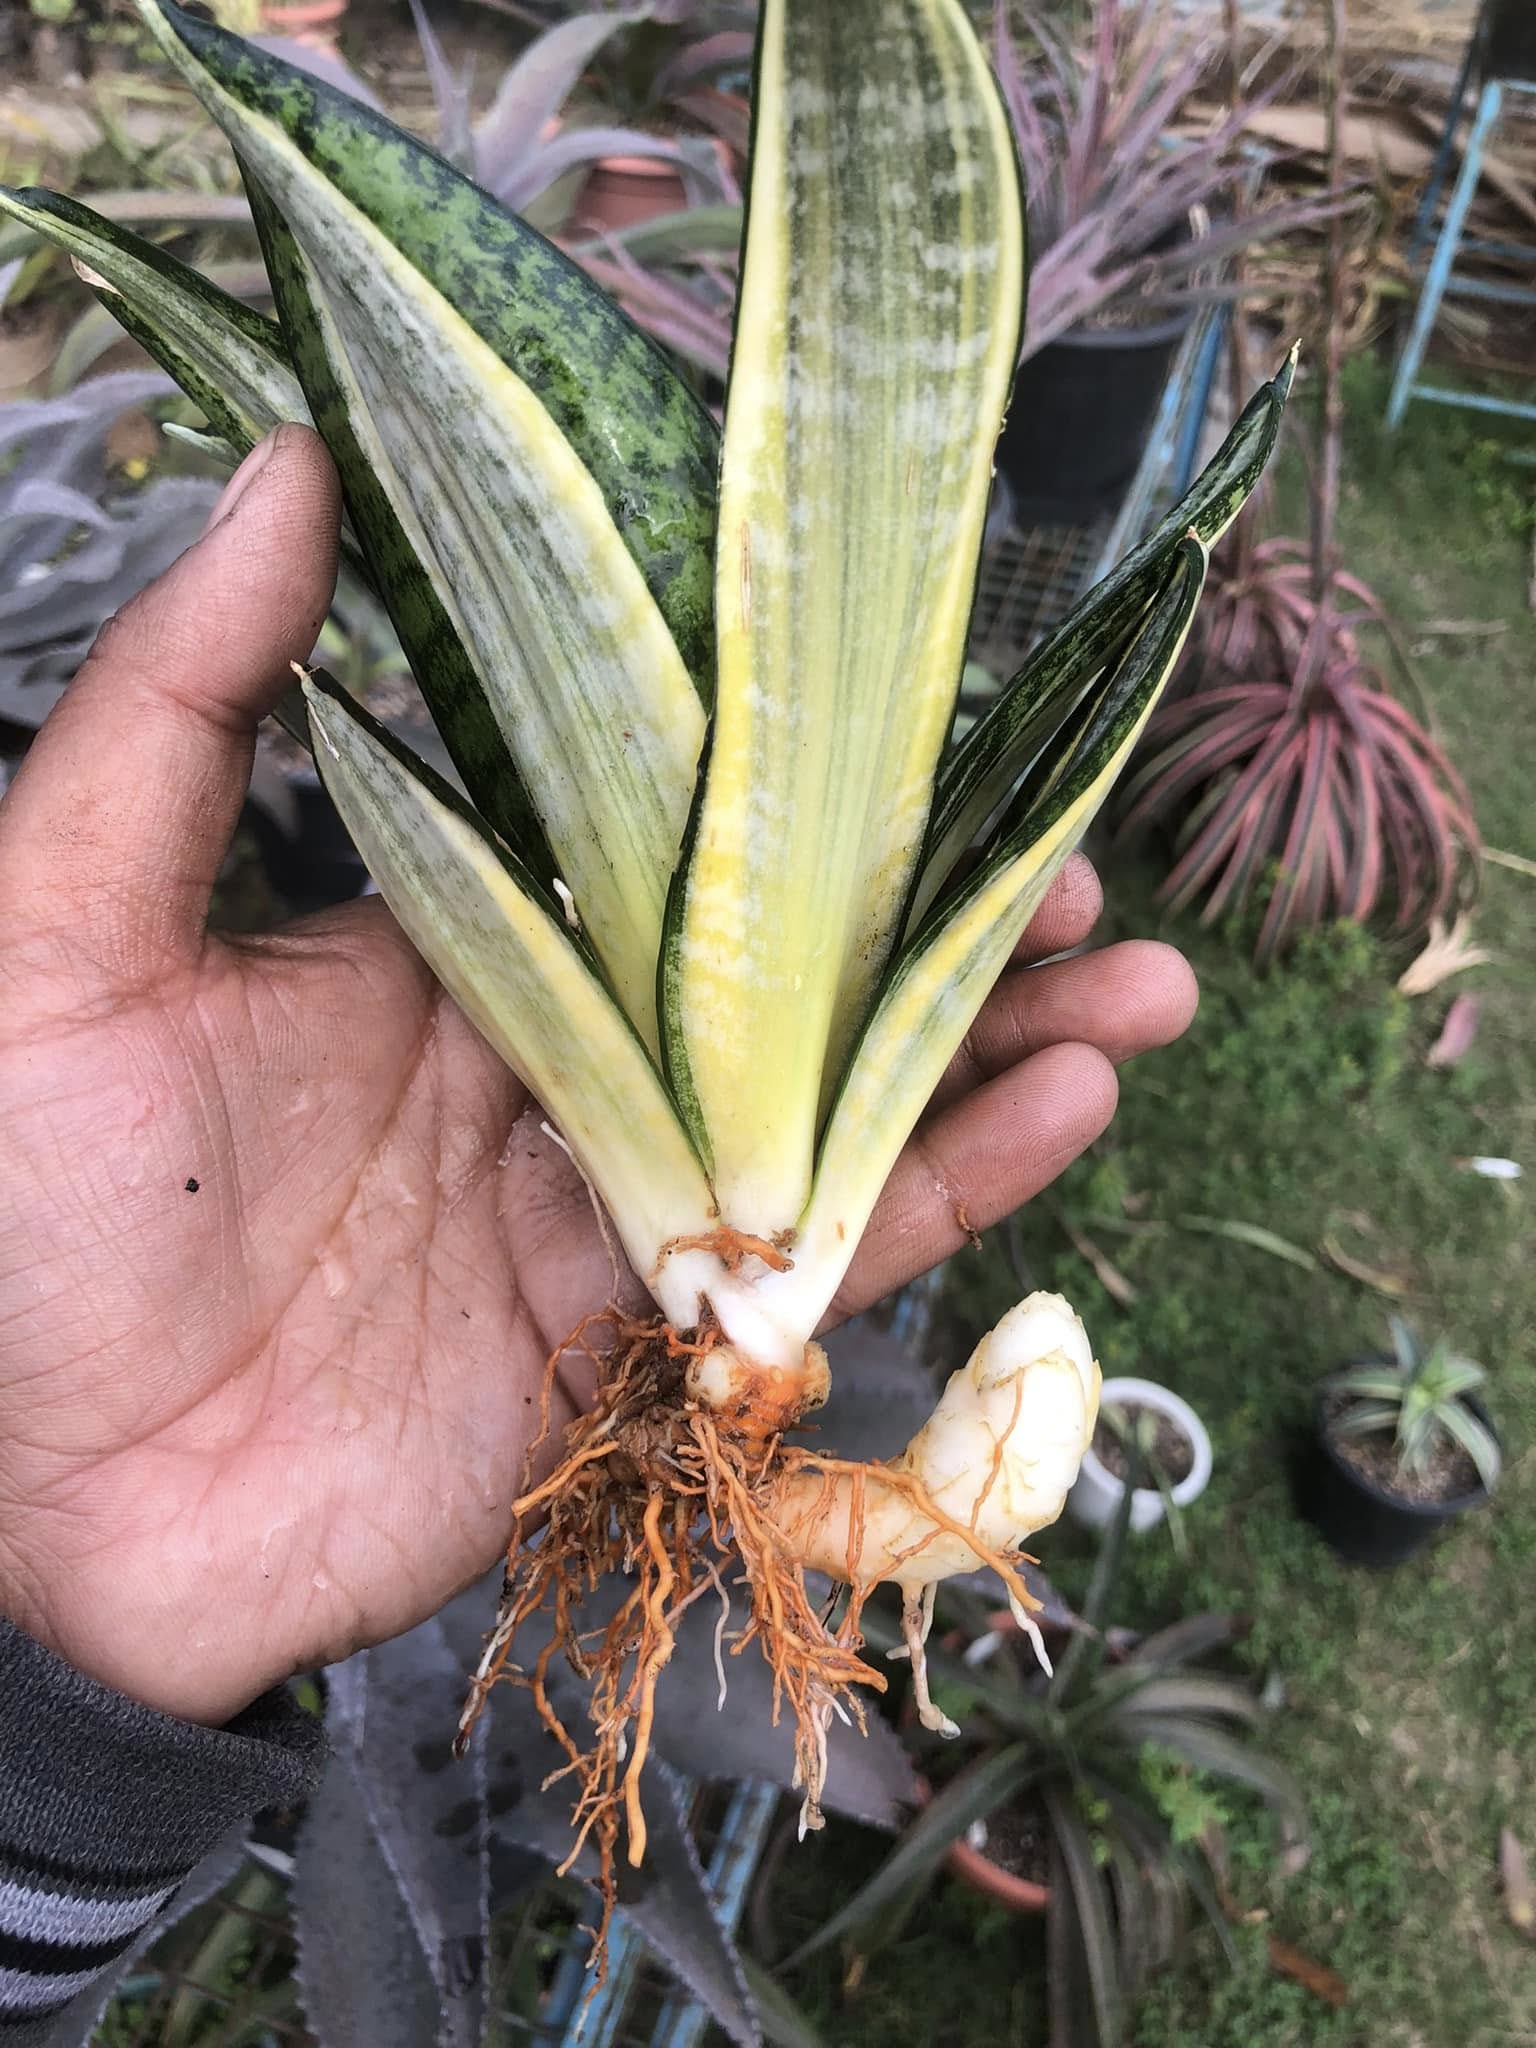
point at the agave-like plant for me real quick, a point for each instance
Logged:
(718, 894)
(1104, 1753)
(1419, 1397)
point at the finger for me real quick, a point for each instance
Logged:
(1068, 914)
(114, 832)
(976, 1162)
(1123, 1001)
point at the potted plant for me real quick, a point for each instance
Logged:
(1291, 749)
(1509, 46)
(1142, 1424)
(1095, 1794)
(1112, 241)
(1402, 1446)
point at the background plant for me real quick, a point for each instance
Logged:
(1420, 1399)
(1112, 191)
(1291, 765)
(1124, 1757)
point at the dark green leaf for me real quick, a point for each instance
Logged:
(975, 1793)
(1086, 1651)
(1075, 1875)
(1194, 1693)
(1194, 1636)
(1226, 1756)
(439, 661)
(784, 2025)
(997, 750)
(230, 360)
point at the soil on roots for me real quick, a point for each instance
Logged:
(682, 1501)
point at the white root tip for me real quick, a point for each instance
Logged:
(1031, 1628)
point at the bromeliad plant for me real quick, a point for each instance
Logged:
(1294, 751)
(718, 892)
(1111, 187)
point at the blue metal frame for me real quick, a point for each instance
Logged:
(1441, 280)
(600, 2021)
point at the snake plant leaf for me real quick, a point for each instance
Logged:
(461, 709)
(881, 294)
(999, 748)
(230, 360)
(508, 957)
(445, 447)
(648, 442)
(940, 979)
(584, 681)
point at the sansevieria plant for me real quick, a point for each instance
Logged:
(715, 885)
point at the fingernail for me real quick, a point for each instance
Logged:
(242, 480)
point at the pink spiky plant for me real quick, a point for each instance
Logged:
(1292, 751)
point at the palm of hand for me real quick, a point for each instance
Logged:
(247, 1428)
(309, 1252)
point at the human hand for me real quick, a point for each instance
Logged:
(283, 1246)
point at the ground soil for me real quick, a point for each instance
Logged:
(1449, 1475)
(1017, 1841)
(1171, 1448)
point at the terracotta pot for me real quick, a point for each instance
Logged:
(975, 1868)
(305, 20)
(625, 191)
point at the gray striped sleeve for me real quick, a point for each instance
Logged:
(104, 1808)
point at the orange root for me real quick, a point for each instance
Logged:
(731, 1248)
(676, 1495)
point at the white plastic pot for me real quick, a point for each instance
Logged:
(1096, 1493)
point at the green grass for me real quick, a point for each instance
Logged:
(1300, 1103)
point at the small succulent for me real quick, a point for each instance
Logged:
(1419, 1395)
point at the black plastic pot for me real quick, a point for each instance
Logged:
(317, 866)
(1359, 1519)
(1510, 49)
(1081, 413)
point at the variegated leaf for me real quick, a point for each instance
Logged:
(648, 442)
(461, 709)
(997, 751)
(229, 359)
(525, 980)
(446, 448)
(942, 976)
(880, 302)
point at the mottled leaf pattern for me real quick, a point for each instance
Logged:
(230, 360)
(390, 1710)
(649, 444)
(880, 303)
(994, 755)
